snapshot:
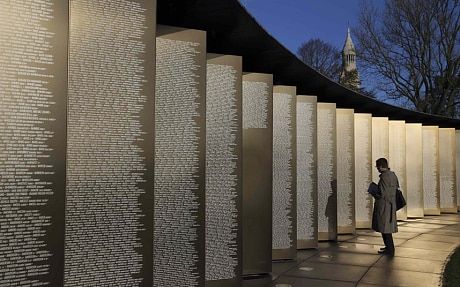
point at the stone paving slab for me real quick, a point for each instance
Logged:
(402, 235)
(430, 245)
(439, 238)
(394, 277)
(375, 240)
(337, 272)
(410, 264)
(288, 281)
(421, 253)
(423, 246)
(347, 258)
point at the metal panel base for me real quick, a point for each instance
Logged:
(346, 230)
(363, 224)
(449, 210)
(307, 244)
(432, 211)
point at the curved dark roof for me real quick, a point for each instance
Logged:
(232, 30)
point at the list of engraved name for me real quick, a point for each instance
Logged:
(221, 173)
(176, 163)
(26, 104)
(282, 170)
(306, 181)
(105, 163)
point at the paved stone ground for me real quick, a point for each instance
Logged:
(422, 248)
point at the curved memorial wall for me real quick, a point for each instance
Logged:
(140, 154)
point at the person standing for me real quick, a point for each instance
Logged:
(384, 214)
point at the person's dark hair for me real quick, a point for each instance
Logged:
(382, 162)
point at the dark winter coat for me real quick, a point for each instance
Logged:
(384, 216)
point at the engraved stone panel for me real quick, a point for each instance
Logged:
(327, 172)
(414, 170)
(363, 170)
(223, 171)
(179, 210)
(345, 171)
(447, 173)
(110, 144)
(431, 170)
(397, 158)
(33, 100)
(257, 172)
(380, 143)
(284, 173)
(307, 192)
(457, 160)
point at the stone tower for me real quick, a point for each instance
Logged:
(349, 75)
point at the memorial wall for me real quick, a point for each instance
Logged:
(257, 172)
(363, 169)
(457, 166)
(223, 171)
(307, 192)
(397, 158)
(430, 170)
(110, 144)
(345, 171)
(414, 170)
(284, 237)
(447, 172)
(179, 210)
(380, 143)
(33, 103)
(327, 171)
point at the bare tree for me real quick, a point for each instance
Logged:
(412, 49)
(321, 56)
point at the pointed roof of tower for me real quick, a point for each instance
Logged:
(349, 46)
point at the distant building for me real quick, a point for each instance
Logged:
(349, 76)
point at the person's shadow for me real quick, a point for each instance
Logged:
(331, 210)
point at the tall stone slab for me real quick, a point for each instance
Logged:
(363, 170)
(224, 177)
(327, 171)
(179, 201)
(307, 192)
(447, 170)
(414, 170)
(257, 173)
(380, 143)
(397, 158)
(431, 195)
(33, 103)
(346, 222)
(284, 237)
(109, 198)
(457, 165)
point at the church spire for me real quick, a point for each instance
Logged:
(349, 75)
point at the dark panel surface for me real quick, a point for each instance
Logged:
(284, 173)
(414, 165)
(307, 189)
(257, 173)
(33, 98)
(363, 170)
(327, 171)
(110, 143)
(397, 158)
(431, 203)
(345, 171)
(447, 172)
(180, 141)
(224, 171)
